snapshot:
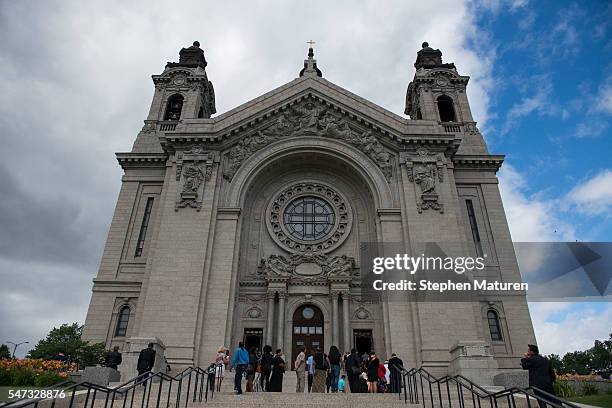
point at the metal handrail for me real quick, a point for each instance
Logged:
(418, 380)
(192, 376)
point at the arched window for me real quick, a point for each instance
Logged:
(446, 109)
(122, 321)
(174, 107)
(494, 327)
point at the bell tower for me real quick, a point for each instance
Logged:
(183, 90)
(438, 93)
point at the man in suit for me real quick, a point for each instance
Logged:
(541, 374)
(395, 376)
(146, 361)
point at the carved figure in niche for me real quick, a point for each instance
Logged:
(193, 176)
(424, 176)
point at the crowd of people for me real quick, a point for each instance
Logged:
(316, 371)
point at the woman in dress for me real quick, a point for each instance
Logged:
(278, 369)
(372, 372)
(221, 360)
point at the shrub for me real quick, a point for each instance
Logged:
(564, 389)
(48, 378)
(589, 389)
(24, 377)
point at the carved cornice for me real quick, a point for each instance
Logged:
(489, 162)
(139, 160)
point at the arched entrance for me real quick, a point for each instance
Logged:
(307, 330)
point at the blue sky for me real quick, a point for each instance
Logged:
(77, 88)
(553, 103)
(550, 114)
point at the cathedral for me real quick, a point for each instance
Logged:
(247, 225)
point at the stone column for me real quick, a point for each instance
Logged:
(281, 320)
(270, 319)
(346, 321)
(335, 320)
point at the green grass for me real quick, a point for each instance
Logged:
(600, 400)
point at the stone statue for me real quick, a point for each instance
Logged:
(193, 175)
(424, 176)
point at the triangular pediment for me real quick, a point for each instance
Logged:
(331, 96)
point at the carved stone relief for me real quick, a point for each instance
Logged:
(309, 118)
(193, 170)
(425, 169)
(307, 267)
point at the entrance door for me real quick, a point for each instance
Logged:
(307, 330)
(363, 341)
(252, 338)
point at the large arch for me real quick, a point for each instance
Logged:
(348, 155)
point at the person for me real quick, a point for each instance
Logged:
(113, 358)
(250, 371)
(240, 359)
(395, 377)
(372, 372)
(342, 383)
(146, 361)
(319, 377)
(266, 368)
(334, 367)
(382, 382)
(300, 372)
(311, 369)
(353, 370)
(541, 374)
(278, 369)
(365, 357)
(221, 361)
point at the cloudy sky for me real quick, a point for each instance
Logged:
(75, 80)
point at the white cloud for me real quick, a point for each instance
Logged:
(594, 196)
(593, 127)
(564, 327)
(530, 217)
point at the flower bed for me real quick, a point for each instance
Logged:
(33, 372)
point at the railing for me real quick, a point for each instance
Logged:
(452, 128)
(192, 384)
(167, 126)
(418, 386)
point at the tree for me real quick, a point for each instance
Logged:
(67, 339)
(601, 357)
(556, 363)
(577, 362)
(4, 352)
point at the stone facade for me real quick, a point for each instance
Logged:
(205, 251)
